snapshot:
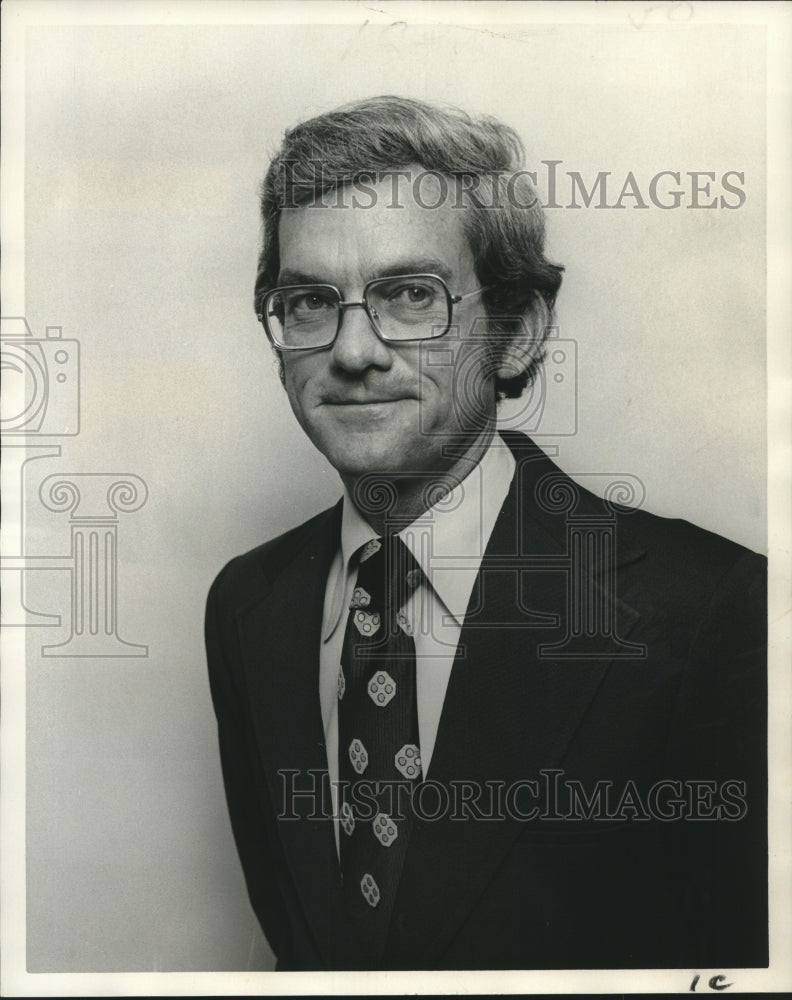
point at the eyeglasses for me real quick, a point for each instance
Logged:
(400, 309)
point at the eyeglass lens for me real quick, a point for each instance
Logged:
(401, 308)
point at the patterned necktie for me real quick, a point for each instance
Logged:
(379, 757)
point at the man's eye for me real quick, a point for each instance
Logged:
(309, 302)
(412, 295)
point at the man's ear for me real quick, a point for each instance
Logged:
(525, 342)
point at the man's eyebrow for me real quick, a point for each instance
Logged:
(290, 277)
(413, 265)
(391, 269)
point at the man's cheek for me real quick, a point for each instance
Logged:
(295, 383)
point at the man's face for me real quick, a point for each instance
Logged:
(371, 406)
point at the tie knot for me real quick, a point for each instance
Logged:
(388, 574)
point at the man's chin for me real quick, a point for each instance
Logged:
(375, 464)
(357, 449)
(372, 456)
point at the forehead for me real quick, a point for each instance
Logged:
(403, 222)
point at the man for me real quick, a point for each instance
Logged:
(472, 716)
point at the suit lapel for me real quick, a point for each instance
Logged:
(281, 640)
(511, 711)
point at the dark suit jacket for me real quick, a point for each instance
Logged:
(670, 686)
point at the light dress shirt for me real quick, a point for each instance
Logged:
(448, 542)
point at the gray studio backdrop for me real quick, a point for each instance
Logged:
(144, 150)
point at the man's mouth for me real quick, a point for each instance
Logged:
(363, 401)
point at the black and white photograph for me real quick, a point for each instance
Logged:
(396, 492)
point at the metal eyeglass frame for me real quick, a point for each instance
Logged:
(451, 301)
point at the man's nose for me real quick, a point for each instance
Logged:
(357, 345)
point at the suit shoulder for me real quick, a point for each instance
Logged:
(247, 573)
(670, 543)
(691, 574)
(670, 560)
(687, 545)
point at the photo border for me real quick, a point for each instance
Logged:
(17, 16)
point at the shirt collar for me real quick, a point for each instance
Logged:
(355, 532)
(448, 540)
